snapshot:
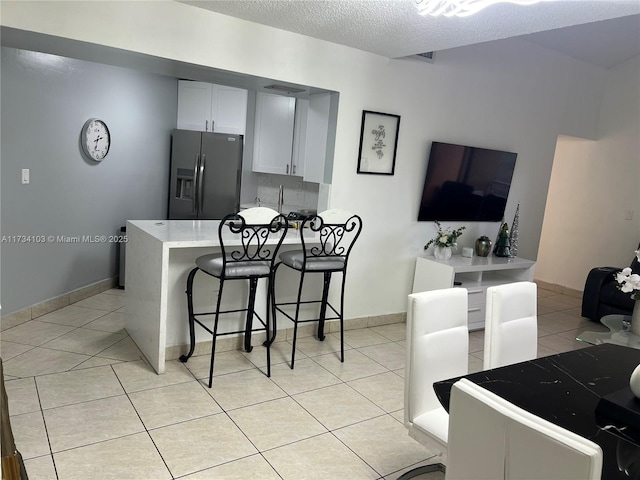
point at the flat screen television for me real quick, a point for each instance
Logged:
(466, 183)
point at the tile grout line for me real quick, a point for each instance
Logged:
(141, 422)
(46, 430)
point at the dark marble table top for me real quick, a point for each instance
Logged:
(565, 389)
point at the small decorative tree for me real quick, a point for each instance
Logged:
(503, 248)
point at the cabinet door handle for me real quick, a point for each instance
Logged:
(294, 170)
(287, 169)
(203, 158)
(194, 188)
(206, 125)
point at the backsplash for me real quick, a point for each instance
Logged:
(297, 192)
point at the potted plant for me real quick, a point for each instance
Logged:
(443, 241)
(629, 282)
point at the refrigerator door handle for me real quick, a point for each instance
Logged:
(201, 185)
(194, 192)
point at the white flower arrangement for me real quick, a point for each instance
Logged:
(445, 237)
(629, 282)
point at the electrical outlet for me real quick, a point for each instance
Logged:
(25, 176)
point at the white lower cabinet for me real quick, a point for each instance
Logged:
(475, 274)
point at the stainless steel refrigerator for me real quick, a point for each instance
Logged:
(206, 170)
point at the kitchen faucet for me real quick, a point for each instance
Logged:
(280, 198)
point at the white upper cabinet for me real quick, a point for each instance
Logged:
(194, 106)
(207, 107)
(299, 154)
(273, 136)
(295, 136)
(316, 138)
(229, 109)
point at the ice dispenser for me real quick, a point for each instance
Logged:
(184, 183)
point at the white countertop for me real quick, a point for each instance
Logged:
(195, 233)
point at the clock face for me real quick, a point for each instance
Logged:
(95, 139)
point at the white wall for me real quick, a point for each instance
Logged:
(594, 186)
(507, 95)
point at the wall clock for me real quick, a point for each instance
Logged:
(95, 139)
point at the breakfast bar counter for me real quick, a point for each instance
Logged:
(159, 256)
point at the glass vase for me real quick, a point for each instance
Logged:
(442, 253)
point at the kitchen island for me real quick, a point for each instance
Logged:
(160, 255)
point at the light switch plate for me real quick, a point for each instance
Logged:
(25, 176)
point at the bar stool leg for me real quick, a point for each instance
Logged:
(295, 321)
(215, 333)
(192, 332)
(270, 311)
(344, 281)
(272, 292)
(253, 285)
(323, 305)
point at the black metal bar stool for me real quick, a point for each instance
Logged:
(331, 235)
(249, 241)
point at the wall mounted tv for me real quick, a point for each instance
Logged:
(466, 183)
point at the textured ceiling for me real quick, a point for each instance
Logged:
(393, 28)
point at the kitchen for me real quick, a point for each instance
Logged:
(210, 173)
(288, 142)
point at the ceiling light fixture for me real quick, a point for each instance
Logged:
(461, 8)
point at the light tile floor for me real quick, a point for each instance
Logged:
(85, 405)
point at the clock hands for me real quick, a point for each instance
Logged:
(98, 138)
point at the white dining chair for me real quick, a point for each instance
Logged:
(437, 349)
(511, 324)
(491, 438)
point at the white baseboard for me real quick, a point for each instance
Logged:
(56, 303)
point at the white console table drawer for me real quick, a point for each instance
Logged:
(475, 318)
(475, 274)
(477, 296)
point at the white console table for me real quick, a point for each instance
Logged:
(475, 274)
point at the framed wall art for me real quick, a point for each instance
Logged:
(378, 143)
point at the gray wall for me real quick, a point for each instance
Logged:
(45, 101)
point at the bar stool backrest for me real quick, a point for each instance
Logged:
(251, 236)
(337, 232)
